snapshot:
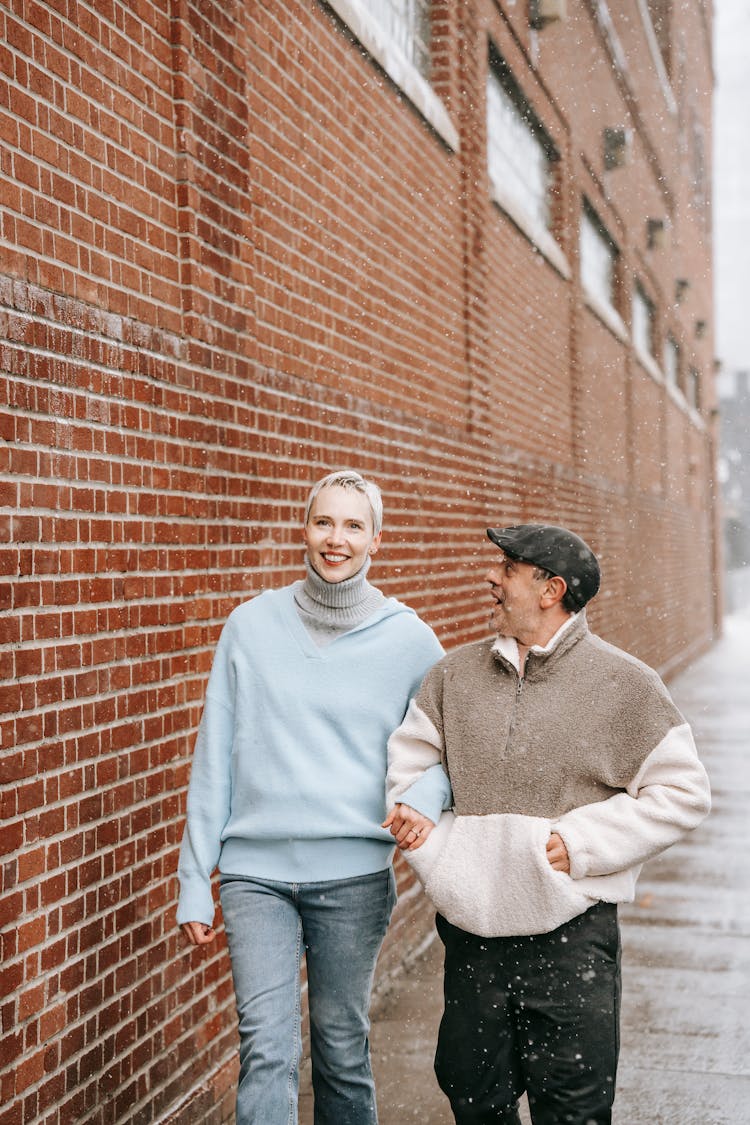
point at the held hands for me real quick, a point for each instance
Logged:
(557, 854)
(198, 933)
(408, 827)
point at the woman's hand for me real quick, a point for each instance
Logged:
(198, 933)
(408, 827)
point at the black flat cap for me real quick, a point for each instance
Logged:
(555, 549)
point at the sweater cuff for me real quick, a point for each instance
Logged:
(430, 795)
(196, 904)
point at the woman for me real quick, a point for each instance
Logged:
(286, 797)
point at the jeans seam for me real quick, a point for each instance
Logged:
(294, 1056)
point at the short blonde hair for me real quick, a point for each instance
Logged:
(348, 478)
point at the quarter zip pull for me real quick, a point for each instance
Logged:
(519, 689)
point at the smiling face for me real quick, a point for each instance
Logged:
(518, 590)
(339, 533)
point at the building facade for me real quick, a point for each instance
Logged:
(461, 245)
(731, 238)
(734, 472)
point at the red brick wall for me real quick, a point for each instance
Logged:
(233, 256)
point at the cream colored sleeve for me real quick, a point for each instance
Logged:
(415, 773)
(668, 797)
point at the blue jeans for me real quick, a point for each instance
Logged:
(340, 925)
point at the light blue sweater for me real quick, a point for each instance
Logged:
(288, 775)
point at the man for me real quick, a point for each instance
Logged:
(533, 775)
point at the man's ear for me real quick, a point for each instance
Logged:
(554, 591)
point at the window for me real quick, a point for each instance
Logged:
(660, 15)
(693, 389)
(643, 322)
(672, 363)
(518, 151)
(699, 176)
(406, 23)
(396, 34)
(598, 258)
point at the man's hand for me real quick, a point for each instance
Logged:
(408, 827)
(198, 933)
(557, 854)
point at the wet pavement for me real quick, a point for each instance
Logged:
(685, 1057)
(686, 939)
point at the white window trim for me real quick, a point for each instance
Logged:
(602, 306)
(652, 368)
(617, 54)
(672, 385)
(678, 397)
(536, 234)
(610, 317)
(394, 62)
(647, 361)
(689, 398)
(637, 291)
(656, 58)
(676, 393)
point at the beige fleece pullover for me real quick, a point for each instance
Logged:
(588, 744)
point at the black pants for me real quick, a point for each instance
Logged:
(537, 1013)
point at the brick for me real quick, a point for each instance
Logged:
(29, 1070)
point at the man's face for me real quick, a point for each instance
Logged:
(516, 588)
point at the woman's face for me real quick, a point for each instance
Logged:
(339, 533)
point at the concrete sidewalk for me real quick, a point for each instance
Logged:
(685, 1056)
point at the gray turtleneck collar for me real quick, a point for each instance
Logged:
(328, 609)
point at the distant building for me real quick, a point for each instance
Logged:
(462, 245)
(734, 466)
(731, 211)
